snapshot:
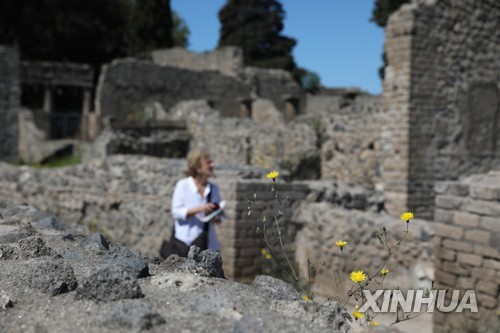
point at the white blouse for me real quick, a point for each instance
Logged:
(186, 196)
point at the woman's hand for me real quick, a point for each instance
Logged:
(208, 208)
(205, 208)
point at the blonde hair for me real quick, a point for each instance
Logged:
(194, 162)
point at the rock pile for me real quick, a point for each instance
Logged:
(55, 280)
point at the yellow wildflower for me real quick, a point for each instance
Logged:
(384, 271)
(305, 298)
(358, 276)
(267, 270)
(267, 256)
(263, 251)
(407, 216)
(374, 323)
(341, 244)
(272, 175)
(357, 315)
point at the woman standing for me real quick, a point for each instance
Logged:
(193, 198)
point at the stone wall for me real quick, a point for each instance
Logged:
(127, 87)
(441, 98)
(338, 212)
(227, 60)
(350, 126)
(10, 95)
(467, 249)
(264, 141)
(127, 198)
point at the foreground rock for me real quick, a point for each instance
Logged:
(56, 281)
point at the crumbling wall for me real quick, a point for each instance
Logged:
(351, 131)
(264, 141)
(128, 198)
(10, 96)
(335, 211)
(441, 97)
(467, 249)
(277, 86)
(127, 87)
(227, 60)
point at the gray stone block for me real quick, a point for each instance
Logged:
(52, 277)
(109, 283)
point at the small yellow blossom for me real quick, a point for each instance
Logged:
(272, 175)
(263, 251)
(341, 244)
(305, 298)
(357, 315)
(407, 216)
(358, 276)
(374, 323)
(384, 271)
(267, 270)
(267, 256)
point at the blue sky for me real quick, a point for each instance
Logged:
(335, 38)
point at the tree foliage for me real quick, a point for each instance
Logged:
(380, 15)
(255, 26)
(383, 9)
(87, 31)
(65, 30)
(180, 31)
(150, 26)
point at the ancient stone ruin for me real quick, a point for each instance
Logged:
(349, 161)
(49, 269)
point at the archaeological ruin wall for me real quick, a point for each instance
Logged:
(55, 114)
(10, 95)
(441, 98)
(467, 249)
(350, 126)
(128, 200)
(227, 60)
(128, 87)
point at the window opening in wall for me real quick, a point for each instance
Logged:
(246, 108)
(291, 108)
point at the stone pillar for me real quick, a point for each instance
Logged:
(9, 103)
(85, 115)
(47, 99)
(396, 108)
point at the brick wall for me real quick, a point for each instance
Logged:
(441, 97)
(467, 248)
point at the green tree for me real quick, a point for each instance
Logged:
(180, 31)
(383, 9)
(255, 26)
(310, 81)
(380, 15)
(150, 26)
(89, 31)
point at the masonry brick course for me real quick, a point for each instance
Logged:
(437, 75)
(473, 261)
